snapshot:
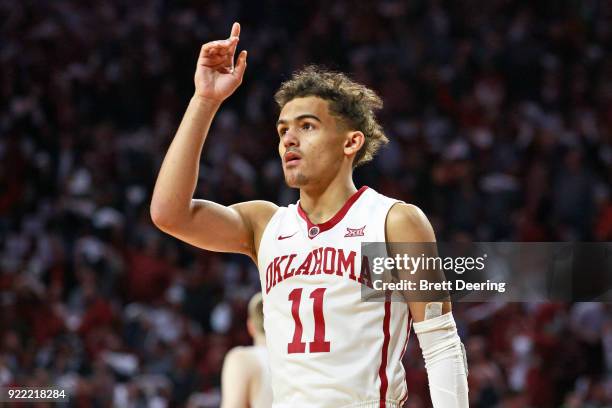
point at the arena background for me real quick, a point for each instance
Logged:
(500, 119)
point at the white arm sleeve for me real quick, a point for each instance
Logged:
(444, 360)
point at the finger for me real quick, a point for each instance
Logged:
(233, 50)
(212, 53)
(217, 55)
(212, 62)
(232, 53)
(232, 58)
(222, 68)
(235, 37)
(217, 46)
(221, 44)
(240, 65)
(214, 59)
(235, 30)
(206, 50)
(219, 50)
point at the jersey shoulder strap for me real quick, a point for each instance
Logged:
(376, 209)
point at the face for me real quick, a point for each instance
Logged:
(313, 145)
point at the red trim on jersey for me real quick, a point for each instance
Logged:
(382, 372)
(329, 224)
(405, 397)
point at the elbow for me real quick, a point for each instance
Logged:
(161, 216)
(157, 216)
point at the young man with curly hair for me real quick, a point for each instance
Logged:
(327, 346)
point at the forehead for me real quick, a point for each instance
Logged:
(309, 105)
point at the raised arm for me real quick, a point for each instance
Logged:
(204, 223)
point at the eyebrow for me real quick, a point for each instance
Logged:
(301, 117)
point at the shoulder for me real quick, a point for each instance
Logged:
(255, 216)
(256, 213)
(237, 353)
(406, 213)
(256, 209)
(239, 357)
(408, 223)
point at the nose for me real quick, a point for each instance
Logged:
(290, 139)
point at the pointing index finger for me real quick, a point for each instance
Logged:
(235, 30)
(234, 38)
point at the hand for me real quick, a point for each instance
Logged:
(216, 77)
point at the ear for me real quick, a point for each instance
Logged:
(250, 328)
(354, 141)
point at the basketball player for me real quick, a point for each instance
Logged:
(245, 380)
(327, 347)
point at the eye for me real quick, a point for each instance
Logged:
(307, 126)
(282, 131)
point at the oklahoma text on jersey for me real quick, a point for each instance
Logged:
(328, 260)
(327, 346)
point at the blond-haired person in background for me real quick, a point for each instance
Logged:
(245, 379)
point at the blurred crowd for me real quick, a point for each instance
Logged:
(500, 119)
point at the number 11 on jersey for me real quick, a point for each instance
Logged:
(318, 345)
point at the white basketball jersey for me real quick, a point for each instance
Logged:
(328, 347)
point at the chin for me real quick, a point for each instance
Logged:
(296, 180)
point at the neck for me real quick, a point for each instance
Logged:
(259, 340)
(324, 202)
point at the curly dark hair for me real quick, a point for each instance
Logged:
(353, 103)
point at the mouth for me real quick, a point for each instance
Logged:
(291, 159)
